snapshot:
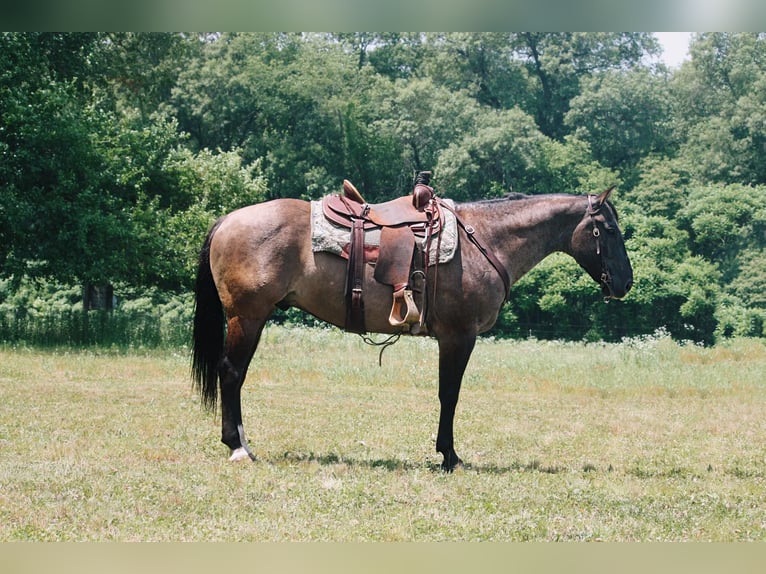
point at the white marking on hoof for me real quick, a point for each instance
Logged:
(238, 454)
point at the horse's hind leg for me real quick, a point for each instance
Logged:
(241, 341)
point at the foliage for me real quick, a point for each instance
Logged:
(119, 150)
(624, 116)
(504, 152)
(48, 314)
(720, 100)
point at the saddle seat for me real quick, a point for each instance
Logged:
(402, 211)
(399, 221)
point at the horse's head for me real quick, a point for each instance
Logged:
(598, 247)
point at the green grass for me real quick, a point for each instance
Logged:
(644, 440)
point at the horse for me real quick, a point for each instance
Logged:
(260, 257)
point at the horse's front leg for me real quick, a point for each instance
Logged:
(454, 352)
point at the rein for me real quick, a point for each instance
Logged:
(488, 254)
(391, 340)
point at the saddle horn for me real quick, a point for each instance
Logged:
(423, 193)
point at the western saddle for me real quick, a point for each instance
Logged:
(398, 260)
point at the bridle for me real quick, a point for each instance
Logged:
(606, 277)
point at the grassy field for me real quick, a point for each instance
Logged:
(645, 440)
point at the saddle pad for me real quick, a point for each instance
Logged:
(328, 237)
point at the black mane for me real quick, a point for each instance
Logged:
(510, 196)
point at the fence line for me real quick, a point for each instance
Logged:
(142, 329)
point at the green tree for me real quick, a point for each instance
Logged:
(538, 72)
(624, 116)
(485, 65)
(138, 71)
(662, 186)
(721, 107)
(725, 222)
(558, 61)
(120, 149)
(87, 190)
(422, 118)
(674, 289)
(396, 55)
(48, 161)
(212, 184)
(302, 105)
(505, 152)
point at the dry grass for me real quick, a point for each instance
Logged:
(646, 440)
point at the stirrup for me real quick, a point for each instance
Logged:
(404, 311)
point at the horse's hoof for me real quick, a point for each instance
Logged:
(451, 464)
(238, 454)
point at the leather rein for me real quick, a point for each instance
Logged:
(488, 253)
(470, 232)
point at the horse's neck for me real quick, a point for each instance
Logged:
(525, 231)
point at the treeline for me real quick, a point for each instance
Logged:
(118, 150)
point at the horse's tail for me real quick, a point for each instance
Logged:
(208, 335)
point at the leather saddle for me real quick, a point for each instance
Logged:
(399, 212)
(400, 222)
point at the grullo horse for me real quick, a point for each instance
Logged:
(260, 257)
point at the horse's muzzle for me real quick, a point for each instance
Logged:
(612, 290)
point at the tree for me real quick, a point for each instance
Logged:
(302, 105)
(721, 109)
(674, 289)
(88, 193)
(624, 116)
(724, 222)
(482, 64)
(423, 118)
(538, 72)
(662, 186)
(503, 153)
(138, 71)
(396, 55)
(558, 61)
(120, 149)
(48, 161)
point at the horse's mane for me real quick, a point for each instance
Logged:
(516, 196)
(510, 196)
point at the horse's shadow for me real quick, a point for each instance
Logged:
(399, 465)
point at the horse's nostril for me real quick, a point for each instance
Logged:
(628, 286)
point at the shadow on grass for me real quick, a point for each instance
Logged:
(394, 464)
(331, 459)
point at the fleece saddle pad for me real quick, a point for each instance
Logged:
(326, 236)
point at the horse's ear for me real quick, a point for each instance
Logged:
(605, 195)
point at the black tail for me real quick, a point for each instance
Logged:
(209, 322)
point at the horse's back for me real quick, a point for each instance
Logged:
(257, 231)
(276, 211)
